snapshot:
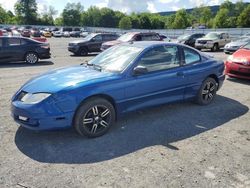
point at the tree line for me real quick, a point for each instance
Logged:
(230, 15)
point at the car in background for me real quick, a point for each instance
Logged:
(238, 64)
(125, 78)
(189, 39)
(26, 33)
(165, 38)
(91, 43)
(236, 44)
(23, 49)
(66, 34)
(47, 34)
(83, 34)
(76, 32)
(213, 41)
(35, 32)
(57, 34)
(15, 33)
(3, 32)
(132, 36)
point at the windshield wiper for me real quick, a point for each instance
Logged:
(96, 67)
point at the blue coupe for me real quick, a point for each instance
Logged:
(124, 78)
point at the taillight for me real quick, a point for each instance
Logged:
(45, 46)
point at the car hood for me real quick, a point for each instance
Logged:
(236, 43)
(79, 41)
(206, 38)
(242, 54)
(66, 78)
(112, 43)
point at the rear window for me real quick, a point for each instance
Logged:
(109, 37)
(191, 56)
(149, 37)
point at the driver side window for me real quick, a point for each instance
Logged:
(160, 58)
(97, 38)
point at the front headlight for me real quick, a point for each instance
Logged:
(34, 98)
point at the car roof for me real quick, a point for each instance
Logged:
(147, 44)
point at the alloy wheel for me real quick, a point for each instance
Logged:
(208, 91)
(97, 119)
(31, 58)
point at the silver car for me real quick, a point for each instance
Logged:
(235, 45)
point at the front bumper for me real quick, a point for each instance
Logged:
(73, 49)
(204, 46)
(37, 117)
(230, 50)
(237, 70)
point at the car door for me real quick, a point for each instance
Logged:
(96, 43)
(195, 72)
(13, 49)
(163, 82)
(223, 40)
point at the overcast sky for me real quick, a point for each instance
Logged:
(126, 6)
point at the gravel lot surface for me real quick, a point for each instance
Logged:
(177, 145)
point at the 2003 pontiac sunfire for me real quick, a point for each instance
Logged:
(124, 78)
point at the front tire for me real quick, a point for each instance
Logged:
(94, 117)
(31, 58)
(215, 48)
(207, 92)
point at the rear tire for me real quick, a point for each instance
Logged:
(207, 92)
(94, 117)
(31, 58)
(83, 52)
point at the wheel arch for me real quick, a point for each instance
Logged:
(102, 96)
(214, 77)
(30, 51)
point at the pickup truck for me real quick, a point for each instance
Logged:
(213, 41)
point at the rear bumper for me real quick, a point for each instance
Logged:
(237, 70)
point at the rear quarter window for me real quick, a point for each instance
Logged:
(13, 42)
(1, 42)
(191, 56)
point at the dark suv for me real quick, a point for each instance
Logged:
(91, 43)
(189, 39)
(132, 36)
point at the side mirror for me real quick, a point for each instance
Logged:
(139, 70)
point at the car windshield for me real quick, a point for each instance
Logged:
(117, 58)
(247, 46)
(212, 35)
(126, 37)
(183, 37)
(243, 39)
(90, 36)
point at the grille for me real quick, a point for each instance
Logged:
(202, 42)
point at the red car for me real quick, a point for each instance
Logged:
(238, 64)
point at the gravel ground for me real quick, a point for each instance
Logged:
(177, 145)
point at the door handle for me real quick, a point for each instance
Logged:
(180, 74)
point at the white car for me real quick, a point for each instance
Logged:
(15, 33)
(66, 34)
(57, 34)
